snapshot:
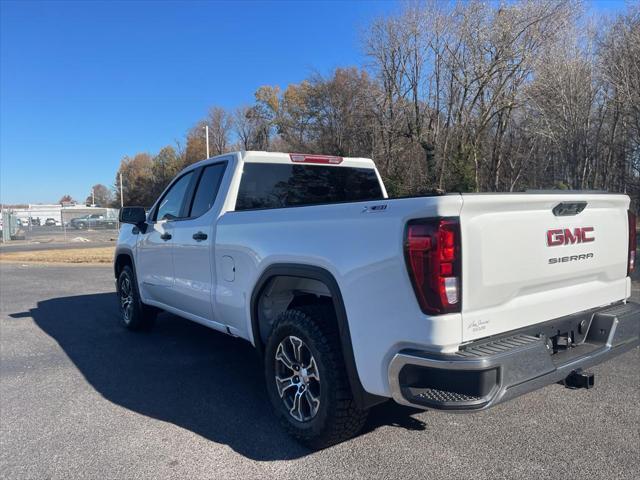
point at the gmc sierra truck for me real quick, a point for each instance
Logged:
(452, 302)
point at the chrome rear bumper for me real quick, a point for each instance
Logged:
(488, 372)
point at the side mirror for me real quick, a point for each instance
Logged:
(134, 215)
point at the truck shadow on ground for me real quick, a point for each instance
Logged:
(180, 372)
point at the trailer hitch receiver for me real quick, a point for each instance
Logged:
(579, 379)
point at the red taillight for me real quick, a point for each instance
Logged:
(323, 159)
(633, 243)
(432, 252)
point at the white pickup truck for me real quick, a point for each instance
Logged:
(454, 302)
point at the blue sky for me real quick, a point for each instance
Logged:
(84, 83)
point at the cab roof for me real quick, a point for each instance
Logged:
(252, 156)
(255, 156)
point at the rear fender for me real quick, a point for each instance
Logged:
(363, 398)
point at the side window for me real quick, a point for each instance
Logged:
(207, 189)
(171, 204)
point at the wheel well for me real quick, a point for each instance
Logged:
(282, 293)
(121, 260)
(295, 285)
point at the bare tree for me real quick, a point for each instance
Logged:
(220, 125)
(243, 127)
(100, 195)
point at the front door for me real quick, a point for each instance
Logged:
(193, 253)
(154, 256)
(155, 265)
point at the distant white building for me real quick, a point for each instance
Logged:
(55, 211)
(41, 211)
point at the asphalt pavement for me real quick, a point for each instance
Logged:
(81, 397)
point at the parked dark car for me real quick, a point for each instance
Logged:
(94, 220)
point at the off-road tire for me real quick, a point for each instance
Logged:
(338, 417)
(137, 315)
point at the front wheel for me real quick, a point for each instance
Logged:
(135, 315)
(307, 380)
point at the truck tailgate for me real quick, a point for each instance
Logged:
(524, 264)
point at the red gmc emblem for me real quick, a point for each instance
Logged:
(565, 236)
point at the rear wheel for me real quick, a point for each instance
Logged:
(135, 315)
(307, 381)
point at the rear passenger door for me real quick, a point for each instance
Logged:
(193, 252)
(94, 220)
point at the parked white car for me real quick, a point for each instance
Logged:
(454, 302)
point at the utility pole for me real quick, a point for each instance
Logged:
(93, 197)
(121, 192)
(206, 132)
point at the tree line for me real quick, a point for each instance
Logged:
(467, 96)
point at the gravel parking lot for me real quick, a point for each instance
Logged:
(82, 397)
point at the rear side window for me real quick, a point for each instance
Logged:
(271, 185)
(207, 189)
